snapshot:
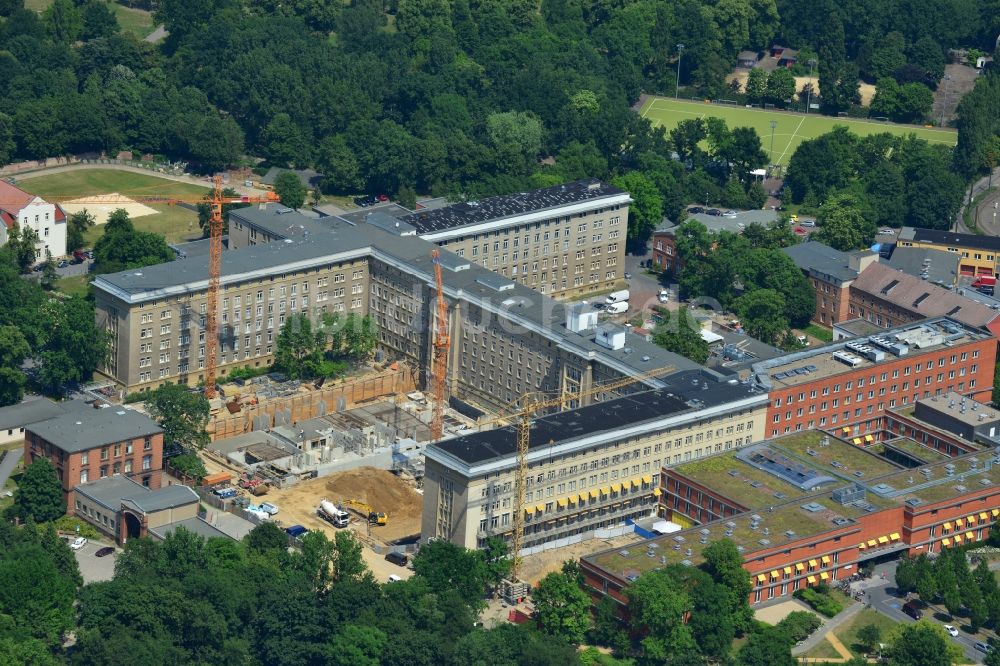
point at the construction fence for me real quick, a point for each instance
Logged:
(289, 410)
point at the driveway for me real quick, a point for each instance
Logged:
(9, 464)
(881, 594)
(95, 569)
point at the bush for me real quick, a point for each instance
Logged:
(246, 372)
(71, 523)
(190, 465)
(819, 600)
(799, 624)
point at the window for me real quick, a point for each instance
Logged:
(147, 463)
(83, 476)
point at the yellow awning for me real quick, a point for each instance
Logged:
(947, 525)
(540, 508)
(959, 522)
(847, 430)
(869, 438)
(761, 578)
(995, 512)
(883, 539)
(971, 520)
(824, 576)
(656, 492)
(788, 570)
(647, 479)
(799, 566)
(811, 580)
(958, 538)
(561, 502)
(894, 536)
(857, 441)
(945, 542)
(872, 543)
(636, 482)
(605, 490)
(583, 497)
(861, 546)
(622, 488)
(593, 494)
(825, 559)
(529, 511)
(812, 563)
(775, 574)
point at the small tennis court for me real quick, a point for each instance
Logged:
(791, 128)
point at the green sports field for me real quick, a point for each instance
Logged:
(791, 130)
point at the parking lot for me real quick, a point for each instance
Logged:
(95, 569)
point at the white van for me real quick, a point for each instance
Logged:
(617, 296)
(617, 308)
(393, 578)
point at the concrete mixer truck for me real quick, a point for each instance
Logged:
(333, 514)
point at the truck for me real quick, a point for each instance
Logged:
(226, 493)
(617, 308)
(985, 284)
(366, 511)
(296, 531)
(617, 296)
(334, 515)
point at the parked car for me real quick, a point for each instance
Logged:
(887, 231)
(78, 543)
(695, 210)
(268, 508)
(399, 559)
(808, 223)
(104, 552)
(729, 213)
(952, 631)
(393, 578)
(911, 609)
(663, 296)
(982, 647)
(296, 531)
(63, 264)
(714, 211)
(383, 197)
(628, 276)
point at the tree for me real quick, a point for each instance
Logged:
(122, 247)
(284, 143)
(657, 605)
(770, 647)
(63, 20)
(517, 138)
(14, 347)
(183, 414)
(498, 561)
(870, 636)
(289, 188)
(724, 563)
(21, 243)
(39, 495)
(98, 20)
(299, 350)
(780, 86)
(762, 313)
(12, 383)
(681, 335)
(922, 644)
(562, 607)
(265, 538)
(348, 563)
(646, 210)
(77, 225)
(756, 86)
(73, 347)
(339, 166)
(190, 465)
(446, 566)
(357, 645)
(844, 224)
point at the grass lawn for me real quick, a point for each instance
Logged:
(848, 633)
(792, 128)
(174, 223)
(137, 22)
(823, 650)
(818, 332)
(75, 285)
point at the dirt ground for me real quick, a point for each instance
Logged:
(535, 567)
(382, 490)
(102, 205)
(778, 612)
(866, 90)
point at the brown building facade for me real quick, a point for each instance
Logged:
(90, 443)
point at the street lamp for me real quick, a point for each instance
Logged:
(774, 123)
(677, 88)
(809, 93)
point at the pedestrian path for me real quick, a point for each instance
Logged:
(824, 630)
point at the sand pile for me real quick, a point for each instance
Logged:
(382, 490)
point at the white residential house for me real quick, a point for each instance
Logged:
(27, 210)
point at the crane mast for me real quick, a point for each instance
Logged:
(442, 345)
(214, 278)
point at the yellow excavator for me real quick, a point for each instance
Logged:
(366, 511)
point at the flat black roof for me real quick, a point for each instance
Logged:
(496, 208)
(683, 391)
(567, 425)
(952, 238)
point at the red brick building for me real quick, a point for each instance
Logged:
(847, 386)
(831, 273)
(95, 441)
(665, 251)
(808, 509)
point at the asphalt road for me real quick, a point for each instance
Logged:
(883, 598)
(988, 223)
(9, 463)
